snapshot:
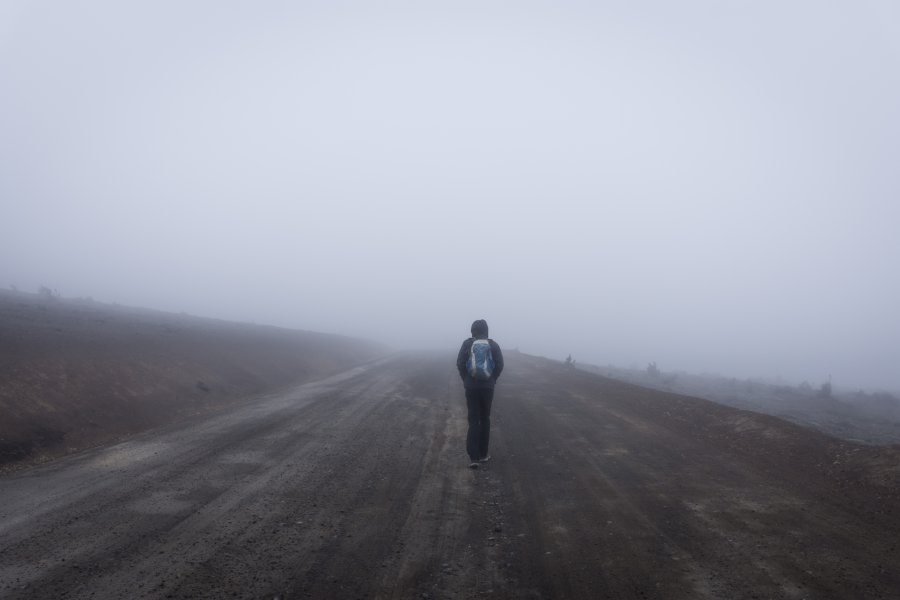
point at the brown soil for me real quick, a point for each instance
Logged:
(75, 374)
(357, 487)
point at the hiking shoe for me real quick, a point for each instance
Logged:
(485, 458)
(473, 465)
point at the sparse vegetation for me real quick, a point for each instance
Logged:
(870, 418)
(48, 293)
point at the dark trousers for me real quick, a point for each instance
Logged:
(479, 404)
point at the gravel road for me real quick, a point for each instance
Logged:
(357, 487)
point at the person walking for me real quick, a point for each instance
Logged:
(479, 363)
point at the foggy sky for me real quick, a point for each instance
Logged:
(710, 185)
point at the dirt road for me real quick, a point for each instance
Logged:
(357, 487)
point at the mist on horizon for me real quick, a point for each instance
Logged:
(712, 188)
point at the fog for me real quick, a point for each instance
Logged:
(709, 185)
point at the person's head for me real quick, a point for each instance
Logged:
(480, 329)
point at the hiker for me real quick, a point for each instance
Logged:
(479, 363)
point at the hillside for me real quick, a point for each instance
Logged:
(867, 417)
(74, 374)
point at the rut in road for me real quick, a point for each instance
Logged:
(357, 487)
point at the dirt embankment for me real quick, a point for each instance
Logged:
(74, 374)
(867, 417)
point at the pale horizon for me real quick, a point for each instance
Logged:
(712, 188)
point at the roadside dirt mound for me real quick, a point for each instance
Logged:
(79, 373)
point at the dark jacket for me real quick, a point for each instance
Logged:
(463, 357)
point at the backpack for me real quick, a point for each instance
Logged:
(481, 362)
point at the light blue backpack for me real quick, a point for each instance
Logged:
(481, 362)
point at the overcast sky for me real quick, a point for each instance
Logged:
(711, 185)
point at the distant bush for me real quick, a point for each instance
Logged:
(47, 293)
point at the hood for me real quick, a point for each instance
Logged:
(480, 329)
